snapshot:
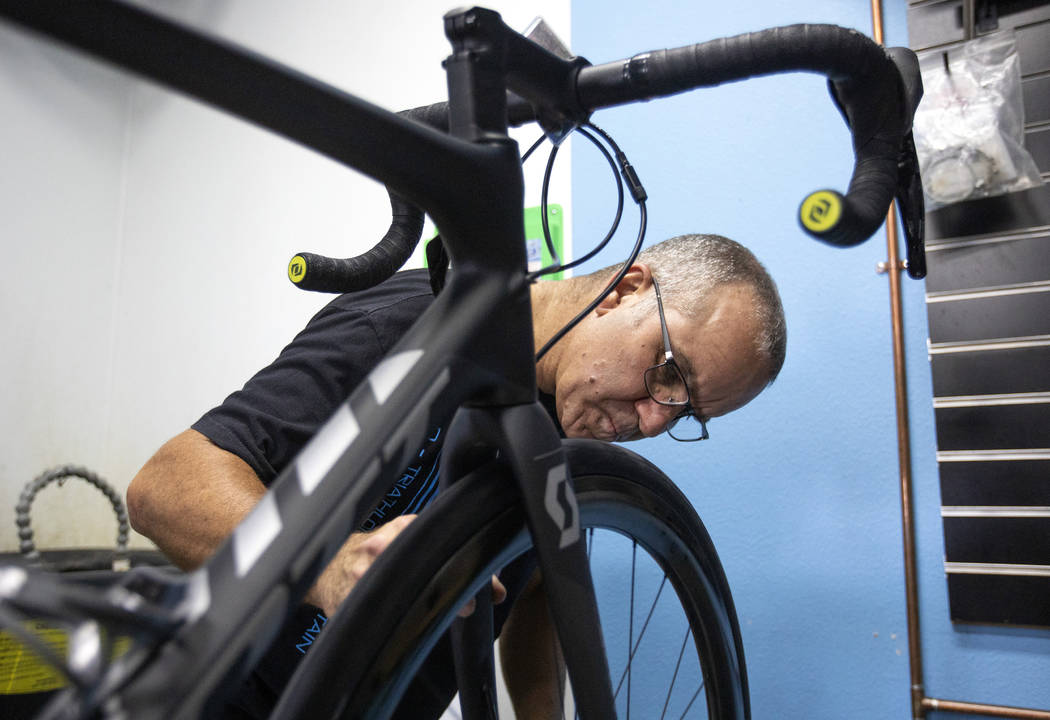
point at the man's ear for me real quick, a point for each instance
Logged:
(638, 280)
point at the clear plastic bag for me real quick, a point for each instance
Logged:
(969, 128)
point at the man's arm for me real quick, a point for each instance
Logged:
(533, 666)
(191, 494)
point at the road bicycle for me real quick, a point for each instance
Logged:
(512, 485)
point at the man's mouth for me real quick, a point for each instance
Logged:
(617, 435)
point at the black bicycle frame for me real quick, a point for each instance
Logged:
(473, 345)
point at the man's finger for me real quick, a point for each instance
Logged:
(499, 594)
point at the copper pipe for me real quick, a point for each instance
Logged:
(978, 709)
(920, 703)
(876, 21)
(911, 582)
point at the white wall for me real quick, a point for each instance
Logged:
(62, 157)
(147, 236)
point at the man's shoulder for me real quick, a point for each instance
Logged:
(384, 312)
(407, 285)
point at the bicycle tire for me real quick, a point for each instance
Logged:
(372, 647)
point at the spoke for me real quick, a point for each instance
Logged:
(563, 684)
(645, 625)
(630, 625)
(590, 547)
(695, 696)
(634, 642)
(674, 677)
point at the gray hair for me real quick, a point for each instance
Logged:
(691, 268)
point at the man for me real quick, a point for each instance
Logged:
(718, 309)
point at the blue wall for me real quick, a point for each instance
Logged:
(799, 489)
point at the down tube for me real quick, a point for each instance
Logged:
(245, 591)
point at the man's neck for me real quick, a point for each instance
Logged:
(554, 303)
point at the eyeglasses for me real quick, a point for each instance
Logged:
(666, 384)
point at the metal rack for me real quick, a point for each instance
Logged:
(939, 25)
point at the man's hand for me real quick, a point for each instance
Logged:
(351, 562)
(354, 559)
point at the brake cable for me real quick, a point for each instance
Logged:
(638, 193)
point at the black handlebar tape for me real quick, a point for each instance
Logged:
(310, 271)
(911, 79)
(436, 115)
(865, 83)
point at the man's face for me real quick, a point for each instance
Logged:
(600, 388)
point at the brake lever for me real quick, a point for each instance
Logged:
(908, 193)
(910, 201)
(911, 205)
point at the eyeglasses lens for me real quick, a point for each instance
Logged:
(665, 384)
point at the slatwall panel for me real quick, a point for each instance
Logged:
(988, 305)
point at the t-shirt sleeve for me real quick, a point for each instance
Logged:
(280, 408)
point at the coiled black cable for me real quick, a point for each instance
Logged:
(639, 195)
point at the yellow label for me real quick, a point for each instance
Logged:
(21, 671)
(821, 211)
(297, 269)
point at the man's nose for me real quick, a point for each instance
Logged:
(653, 418)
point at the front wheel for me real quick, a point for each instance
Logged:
(671, 633)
